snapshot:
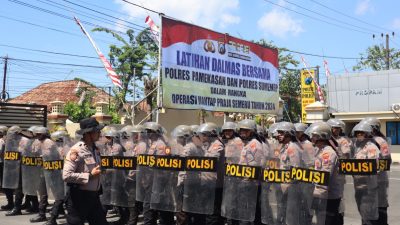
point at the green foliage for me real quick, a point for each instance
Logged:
(78, 112)
(134, 59)
(375, 58)
(289, 82)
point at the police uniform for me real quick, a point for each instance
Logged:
(83, 202)
(135, 150)
(326, 159)
(215, 149)
(290, 156)
(343, 151)
(383, 180)
(366, 187)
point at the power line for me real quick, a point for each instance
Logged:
(56, 63)
(351, 17)
(83, 13)
(50, 28)
(107, 9)
(104, 14)
(53, 63)
(49, 52)
(61, 15)
(314, 18)
(150, 10)
(322, 15)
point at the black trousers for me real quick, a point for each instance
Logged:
(216, 218)
(383, 217)
(55, 210)
(84, 206)
(134, 213)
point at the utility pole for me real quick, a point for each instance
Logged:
(387, 52)
(3, 95)
(134, 96)
(387, 49)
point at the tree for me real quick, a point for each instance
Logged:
(289, 82)
(375, 58)
(81, 110)
(135, 59)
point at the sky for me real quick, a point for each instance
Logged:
(339, 30)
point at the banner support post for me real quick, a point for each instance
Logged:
(159, 71)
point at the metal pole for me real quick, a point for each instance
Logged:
(387, 53)
(159, 70)
(134, 96)
(3, 96)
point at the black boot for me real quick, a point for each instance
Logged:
(38, 218)
(51, 221)
(7, 207)
(14, 212)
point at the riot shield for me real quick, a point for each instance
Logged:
(362, 167)
(144, 176)
(272, 207)
(166, 195)
(107, 151)
(31, 167)
(123, 185)
(307, 189)
(52, 168)
(199, 195)
(241, 183)
(385, 161)
(12, 159)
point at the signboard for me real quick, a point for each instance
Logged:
(307, 92)
(203, 69)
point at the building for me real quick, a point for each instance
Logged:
(353, 97)
(65, 91)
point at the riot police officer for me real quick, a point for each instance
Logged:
(7, 192)
(241, 195)
(326, 198)
(383, 178)
(12, 179)
(136, 144)
(81, 172)
(213, 147)
(290, 156)
(342, 146)
(366, 186)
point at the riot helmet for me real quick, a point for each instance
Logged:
(3, 130)
(373, 122)
(362, 130)
(14, 130)
(319, 131)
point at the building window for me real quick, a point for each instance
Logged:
(393, 132)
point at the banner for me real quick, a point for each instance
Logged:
(307, 92)
(203, 69)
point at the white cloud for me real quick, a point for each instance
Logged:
(396, 24)
(208, 13)
(280, 24)
(363, 7)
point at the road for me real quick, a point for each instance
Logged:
(351, 214)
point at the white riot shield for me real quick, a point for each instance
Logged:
(166, 195)
(31, 167)
(241, 184)
(12, 160)
(52, 169)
